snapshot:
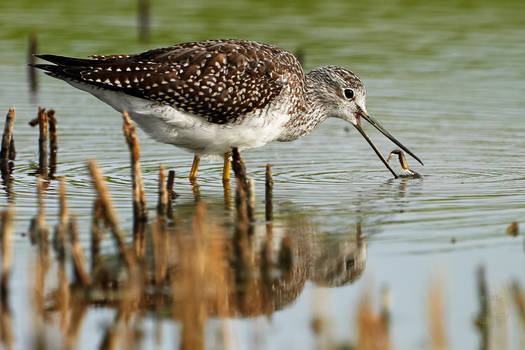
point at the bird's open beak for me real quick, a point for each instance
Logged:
(387, 134)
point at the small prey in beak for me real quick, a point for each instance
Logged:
(379, 127)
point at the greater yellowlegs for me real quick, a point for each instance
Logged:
(210, 96)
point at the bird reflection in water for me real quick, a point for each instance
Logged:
(199, 271)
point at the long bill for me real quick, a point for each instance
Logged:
(360, 129)
(378, 126)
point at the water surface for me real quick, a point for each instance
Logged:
(446, 78)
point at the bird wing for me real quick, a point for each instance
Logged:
(220, 80)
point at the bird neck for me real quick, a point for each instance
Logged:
(310, 110)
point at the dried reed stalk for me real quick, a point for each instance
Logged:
(268, 193)
(140, 213)
(162, 204)
(171, 193)
(109, 212)
(242, 194)
(53, 142)
(7, 137)
(42, 142)
(78, 254)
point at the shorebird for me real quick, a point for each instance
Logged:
(210, 96)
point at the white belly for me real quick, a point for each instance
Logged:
(192, 133)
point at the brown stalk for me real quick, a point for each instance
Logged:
(140, 213)
(42, 142)
(242, 194)
(78, 254)
(268, 194)
(171, 193)
(53, 143)
(163, 194)
(7, 137)
(109, 212)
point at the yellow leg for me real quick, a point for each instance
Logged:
(226, 168)
(194, 168)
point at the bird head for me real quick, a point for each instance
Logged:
(344, 97)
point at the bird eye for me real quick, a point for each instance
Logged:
(349, 93)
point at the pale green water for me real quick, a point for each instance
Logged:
(446, 78)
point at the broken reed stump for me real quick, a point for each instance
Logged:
(6, 232)
(32, 50)
(268, 193)
(42, 141)
(42, 122)
(140, 213)
(7, 137)
(243, 190)
(53, 143)
(162, 204)
(109, 212)
(143, 16)
(47, 124)
(8, 154)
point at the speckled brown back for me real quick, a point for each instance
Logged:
(221, 80)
